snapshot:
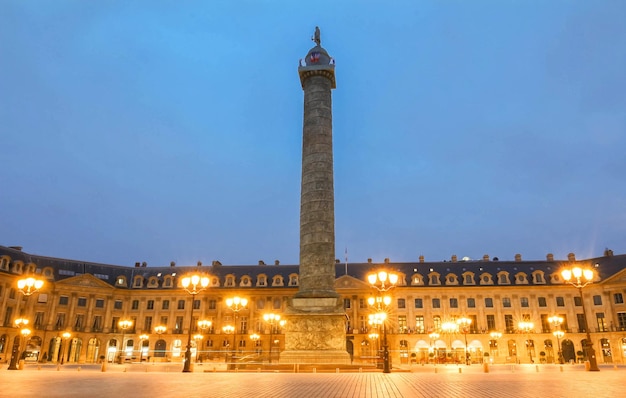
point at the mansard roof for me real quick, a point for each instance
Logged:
(61, 269)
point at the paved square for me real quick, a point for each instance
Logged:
(503, 381)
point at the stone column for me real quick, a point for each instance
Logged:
(315, 328)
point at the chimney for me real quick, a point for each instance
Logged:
(518, 257)
(173, 264)
(571, 257)
(216, 263)
(608, 252)
(137, 265)
(387, 261)
(261, 262)
(550, 257)
(144, 264)
(276, 262)
(453, 258)
(199, 264)
(369, 260)
(486, 257)
(421, 259)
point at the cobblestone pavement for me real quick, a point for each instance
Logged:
(503, 381)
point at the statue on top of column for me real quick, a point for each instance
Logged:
(316, 37)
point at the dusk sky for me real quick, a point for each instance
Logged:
(166, 131)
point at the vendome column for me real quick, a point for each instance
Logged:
(315, 329)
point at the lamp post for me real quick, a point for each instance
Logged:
(559, 334)
(375, 337)
(526, 327)
(159, 330)
(376, 320)
(228, 329)
(124, 324)
(556, 322)
(433, 336)
(273, 320)
(382, 281)
(27, 286)
(142, 338)
(193, 285)
(495, 335)
(197, 338)
(464, 326)
(581, 278)
(236, 304)
(449, 328)
(255, 338)
(66, 336)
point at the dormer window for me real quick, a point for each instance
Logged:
(434, 279)
(277, 281)
(120, 281)
(261, 280)
(138, 282)
(293, 280)
(230, 281)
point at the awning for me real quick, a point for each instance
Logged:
(475, 344)
(421, 344)
(458, 344)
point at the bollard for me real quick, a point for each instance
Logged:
(38, 367)
(336, 370)
(435, 369)
(460, 370)
(258, 370)
(58, 367)
(615, 366)
(360, 370)
(537, 368)
(314, 370)
(561, 368)
(486, 367)
(124, 369)
(78, 369)
(104, 366)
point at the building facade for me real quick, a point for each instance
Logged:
(75, 317)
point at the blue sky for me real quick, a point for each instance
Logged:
(166, 131)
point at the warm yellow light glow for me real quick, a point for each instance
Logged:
(204, 324)
(566, 274)
(558, 334)
(382, 276)
(588, 274)
(159, 329)
(393, 278)
(371, 278)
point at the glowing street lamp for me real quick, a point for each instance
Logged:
(464, 324)
(382, 281)
(193, 285)
(66, 336)
(29, 285)
(556, 322)
(579, 278)
(274, 321)
(236, 304)
(526, 327)
(142, 338)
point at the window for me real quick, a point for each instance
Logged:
(454, 303)
(82, 302)
(99, 303)
(97, 323)
(362, 303)
(165, 305)
(621, 320)
(577, 301)
(346, 303)
(419, 303)
(618, 298)
(468, 279)
(117, 305)
(135, 305)
(601, 322)
(508, 324)
(402, 327)
(506, 302)
(524, 301)
(277, 303)
(260, 304)
(181, 304)
(488, 302)
(78, 322)
(471, 303)
(150, 304)
(178, 326)
(64, 300)
(401, 303)
(436, 303)
(560, 302)
(597, 300)
(60, 323)
(491, 322)
(437, 322)
(147, 323)
(541, 301)
(196, 304)
(419, 324)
